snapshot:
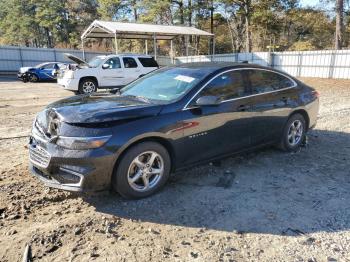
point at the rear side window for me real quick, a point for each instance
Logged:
(265, 81)
(226, 86)
(129, 62)
(148, 62)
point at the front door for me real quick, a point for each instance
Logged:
(218, 129)
(46, 72)
(112, 73)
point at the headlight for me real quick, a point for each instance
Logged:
(80, 143)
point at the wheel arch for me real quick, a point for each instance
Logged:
(89, 77)
(304, 114)
(34, 73)
(157, 139)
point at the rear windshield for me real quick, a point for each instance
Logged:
(148, 62)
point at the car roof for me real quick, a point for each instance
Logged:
(129, 55)
(221, 66)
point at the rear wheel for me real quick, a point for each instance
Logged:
(87, 86)
(142, 170)
(294, 133)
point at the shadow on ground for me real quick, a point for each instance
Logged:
(267, 192)
(13, 78)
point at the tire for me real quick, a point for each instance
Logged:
(134, 165)
(294, 133)
(87, 86)
(33, 78)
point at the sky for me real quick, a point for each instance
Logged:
(309, 2)
(324, 5)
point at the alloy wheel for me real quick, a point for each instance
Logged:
(88, 87)
(145, 171)
(295, 132)
(33, 78)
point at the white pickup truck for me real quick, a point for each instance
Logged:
(105, 71)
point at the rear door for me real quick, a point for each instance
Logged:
(270, 103)
(220, 129)
(132, 70)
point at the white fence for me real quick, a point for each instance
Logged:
(12, 57)
(325, 64)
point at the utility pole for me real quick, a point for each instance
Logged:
(339, 26)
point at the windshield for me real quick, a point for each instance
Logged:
(96, 61)
(41, 65)
(166, 85)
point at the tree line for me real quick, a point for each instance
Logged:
(238, 25)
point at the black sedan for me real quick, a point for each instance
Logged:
(170, 119)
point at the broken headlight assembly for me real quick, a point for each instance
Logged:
(81, 143)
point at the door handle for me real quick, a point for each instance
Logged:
(243, 108)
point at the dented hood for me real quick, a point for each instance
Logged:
(100, 108)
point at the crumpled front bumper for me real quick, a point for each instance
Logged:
(50, 181)
(20, 75)
(71, 170)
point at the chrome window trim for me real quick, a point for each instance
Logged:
(237, 98)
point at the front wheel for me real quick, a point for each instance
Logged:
(87, 86)
(33, 78)
(142, 170)
(294, 133)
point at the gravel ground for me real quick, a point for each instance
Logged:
(262, 206)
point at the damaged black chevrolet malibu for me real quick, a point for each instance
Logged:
(170, 119)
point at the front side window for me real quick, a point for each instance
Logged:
(129, 62)
(226, 86)
(113, 63)
(48, 66)
(44, 66)
(263, 81)
(166, 85)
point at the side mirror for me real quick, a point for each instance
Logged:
(105, 66)
(207, 101)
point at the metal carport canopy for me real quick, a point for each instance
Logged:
(121, 30)
(105, 29)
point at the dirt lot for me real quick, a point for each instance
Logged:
(262, 206)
